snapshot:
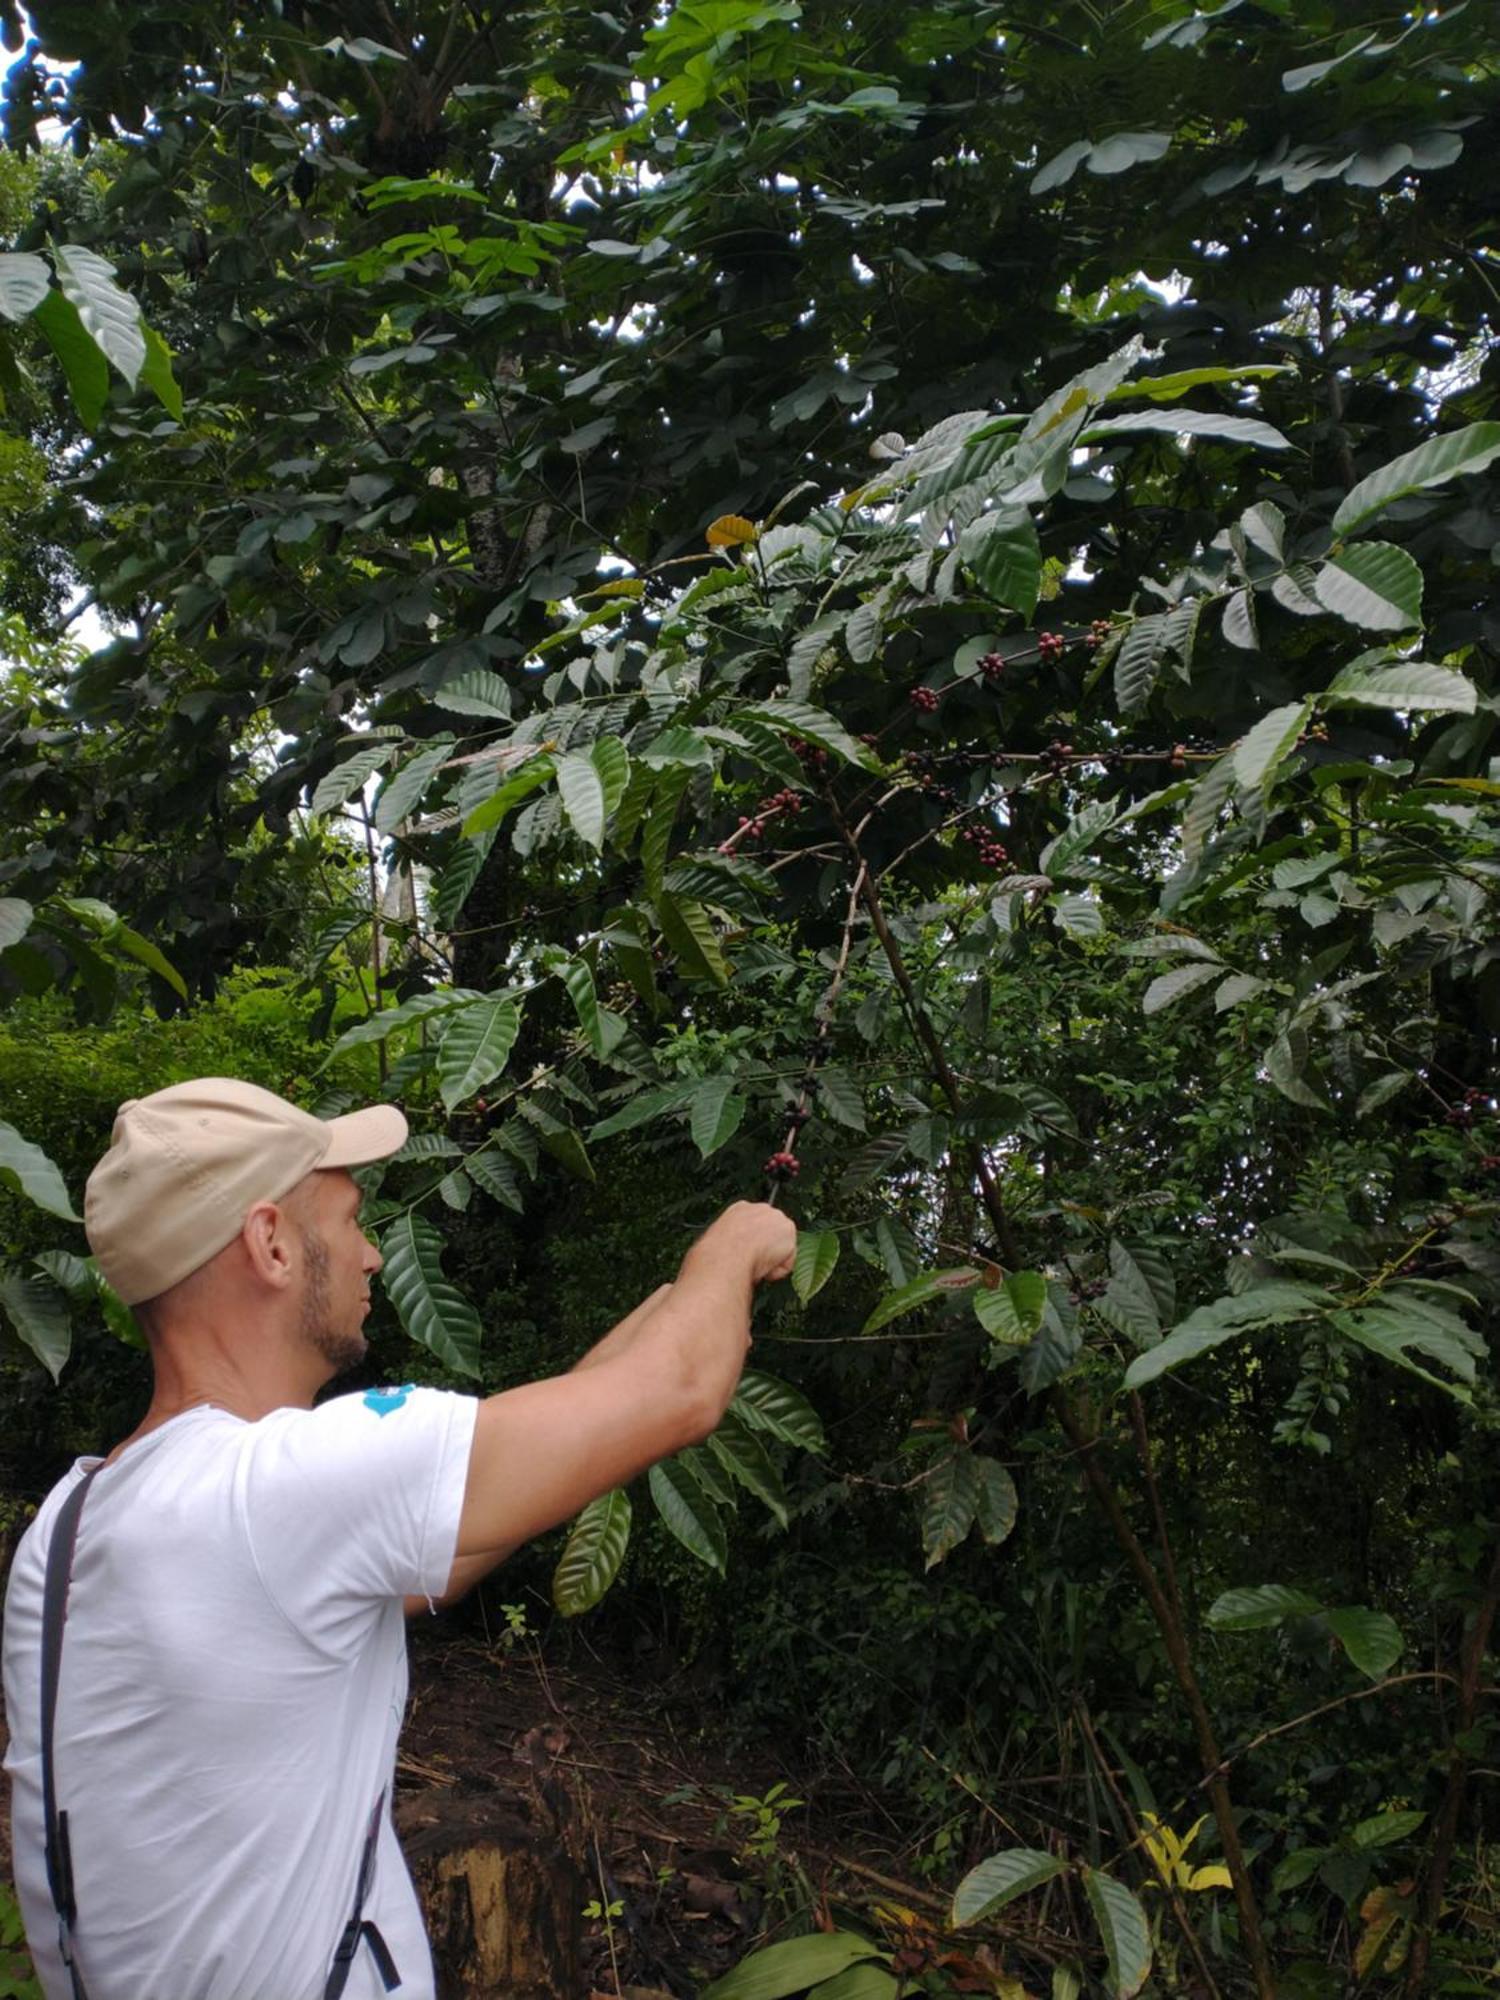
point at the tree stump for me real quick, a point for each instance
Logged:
(502, 1899)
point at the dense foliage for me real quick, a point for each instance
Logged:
(900, 603)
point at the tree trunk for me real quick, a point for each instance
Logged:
(502, 1899)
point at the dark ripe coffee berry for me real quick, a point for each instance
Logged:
(992, 666)
(924, 700)
(782, 1167)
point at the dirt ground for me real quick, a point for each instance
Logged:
(624, 1766)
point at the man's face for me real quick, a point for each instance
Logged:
(339, 1261)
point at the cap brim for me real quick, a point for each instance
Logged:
(362, 1136)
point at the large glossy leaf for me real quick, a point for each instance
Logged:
(1275, 1303)
(813, 725)
(998, 1503)
(476, 1042)
(578, 978)
(1174, 985)
(1000, 1879)
(1371, 1639)
(689, 929)
(1413, 684)
(429, 1306)
(1431, 464)
(489, 813)
(1258, 1607)
(379, 1027)
(689, 1513)
(402, 793)
(1011, 1312)
(349, 777)
(28, 1167)
(1137, 660)
(715, 1115)
(742, 1455)
(15, 920)
(496, 1175)
(869, 1980)
(1124, 1930)
(1258, 756)
(24, 283)
(582, 791)
(38, 1311)
(1190, 423)
(592, 1554)
(948, 1500)
(479, 692)
(84, 366)
(110, 316)
(1005, 556)
(1373, 584)
(611, 760)
(792, 1966)
(917, 1292)
(817, 1256)
(768, 1404)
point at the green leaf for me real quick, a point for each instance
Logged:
(379, 1027)
(403, 791)
(1259, 1607)
(38, 1311)
(1193, 423)
(475, 1044)
(1415, 684)
(611, 760)
(480, 692)
(1284, 1062)
(157, 373)
(715, 1115)
(1012, 1312)
(84, 367)
(814, 725)
(689, 1513)
(432, 1310)
(1170, 986)
(995, 1515)
(1374, 1643)
(948, 1501)
(1137, 661)
(817, 1256)
(1129, 1302)
(1167, 388)
(349, 777)
(1124, 1931)
(689, 930)
(1374, 585)
(592, 1554)
(1275, 1303)
(1063, 855)
(1002, 551)
(533, 774)
(641, 1109)
(1000, 1879)
(1383, 1829)
(906, 1298)
(24, 282)
(582, 792)
(1431, 464)
(15, 920)
(792, 1966)
(497, 1177)
(768, 1404)
(1258, 755)
(28, 1167)
(1392, 1331)
(110, 316)
(841, 1097)
(746, 1460)
(577, 976)
(869, 1980)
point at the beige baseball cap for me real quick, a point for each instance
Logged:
(187, 1164)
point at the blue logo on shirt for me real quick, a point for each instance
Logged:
(383, 1401)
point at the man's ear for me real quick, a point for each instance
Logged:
(266, 1238)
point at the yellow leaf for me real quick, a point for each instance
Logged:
(1215, 1877)
(622, 586)
(730, 531)
(1387, 1938)
(847, 502)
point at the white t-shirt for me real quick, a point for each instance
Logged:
(233, 1681)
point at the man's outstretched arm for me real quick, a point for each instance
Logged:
(657, 1382)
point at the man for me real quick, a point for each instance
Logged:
(234, 1669)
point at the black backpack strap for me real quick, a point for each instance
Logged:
(359, 1925)
(54, 1617)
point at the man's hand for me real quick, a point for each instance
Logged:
(761, 1233)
